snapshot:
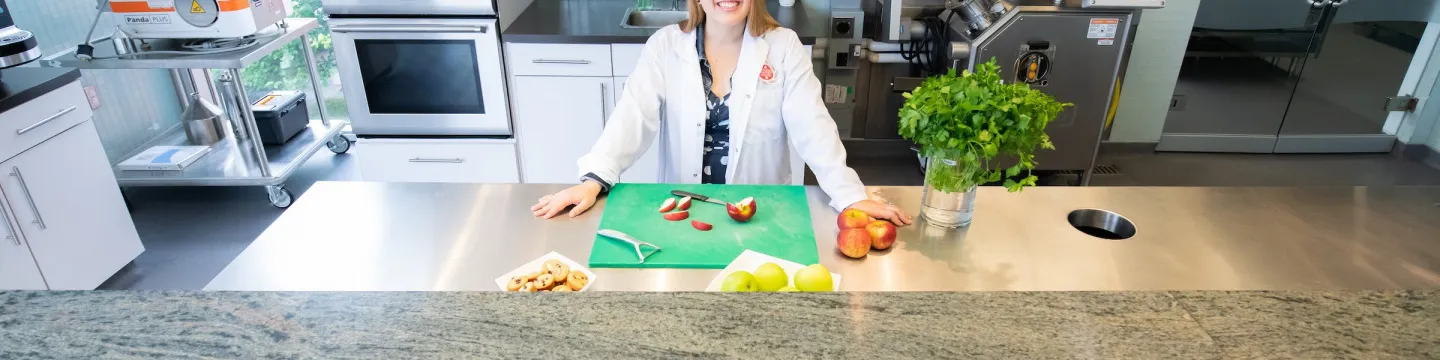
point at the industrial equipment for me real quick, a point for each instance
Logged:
(1074, 50)
(196, 19)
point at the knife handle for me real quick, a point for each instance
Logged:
(690, 194)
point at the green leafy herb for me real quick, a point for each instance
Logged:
(970, 119)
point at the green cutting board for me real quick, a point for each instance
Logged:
(780, 227)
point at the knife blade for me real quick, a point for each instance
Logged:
(696, 196)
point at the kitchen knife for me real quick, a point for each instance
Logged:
(696, 196)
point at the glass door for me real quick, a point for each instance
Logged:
(1363, 53)
(1240, 69)
(1293, 76)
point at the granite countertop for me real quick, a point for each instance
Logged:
(390, 325)
(21, 84)
(598, 22)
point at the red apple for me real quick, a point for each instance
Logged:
(854, 243)
(882, 234)
(700, 225)
(677, 216)
(853, 219)
(685, 203)
(668, 205)
(741, 211)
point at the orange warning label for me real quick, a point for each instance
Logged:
(1102, 28)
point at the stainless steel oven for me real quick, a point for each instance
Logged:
(422, 76)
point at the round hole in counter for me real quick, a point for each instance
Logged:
(1102, 224)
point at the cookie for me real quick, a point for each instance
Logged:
(532, 276)
(551, 262)
(559, 270)
(515, 283)
(528, 287)
(544, 282)
(577, 280)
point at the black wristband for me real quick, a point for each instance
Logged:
(604, 186)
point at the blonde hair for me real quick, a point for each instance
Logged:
(759, 20)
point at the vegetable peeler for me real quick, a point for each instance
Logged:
(633, 242)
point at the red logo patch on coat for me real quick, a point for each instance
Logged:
(766, 73)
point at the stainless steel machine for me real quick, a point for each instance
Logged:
(1074, 50)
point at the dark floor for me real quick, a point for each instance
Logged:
(190, 234)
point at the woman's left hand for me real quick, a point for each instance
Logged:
(883, 211)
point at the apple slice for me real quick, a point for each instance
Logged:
(677, 216)
(700, 225)
(669, 205)
(685, 203)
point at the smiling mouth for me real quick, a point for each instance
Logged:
(727, 5)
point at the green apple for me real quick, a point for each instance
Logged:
(814, 278)
(739, 281)
(771, 277)
(788, 289)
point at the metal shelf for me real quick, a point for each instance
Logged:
(293, 29)
(227, 164)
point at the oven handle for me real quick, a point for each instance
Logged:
(428, 29)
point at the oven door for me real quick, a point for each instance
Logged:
(422, 76)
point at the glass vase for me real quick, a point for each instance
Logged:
(947, 209)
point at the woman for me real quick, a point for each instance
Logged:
(738, 91)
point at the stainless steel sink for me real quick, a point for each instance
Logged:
(650, 19)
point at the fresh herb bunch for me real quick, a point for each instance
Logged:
(973, 118)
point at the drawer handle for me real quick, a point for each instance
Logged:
(42, 122)
(446, 161)
(560, 61)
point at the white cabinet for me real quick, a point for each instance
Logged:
(437, 160)
(65, 205)
(557, 120)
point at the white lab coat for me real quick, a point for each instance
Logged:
(766, 117)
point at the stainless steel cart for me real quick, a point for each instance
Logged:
(240, 159)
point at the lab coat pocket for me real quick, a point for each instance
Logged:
(766, 123)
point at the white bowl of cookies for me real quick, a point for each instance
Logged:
(549, 273)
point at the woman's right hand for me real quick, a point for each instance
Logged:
(581, 196)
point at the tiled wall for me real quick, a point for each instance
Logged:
(135, 105)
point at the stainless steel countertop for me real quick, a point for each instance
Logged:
(412, 236)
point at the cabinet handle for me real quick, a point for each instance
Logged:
(560, 61)
(448, 161)
(42, 122)
(15, 171)
(604, 103)
(9, 232)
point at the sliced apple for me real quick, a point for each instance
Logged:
(700, 225)
(685, 203)
(741, 211)
(677, 216)
(668, 205)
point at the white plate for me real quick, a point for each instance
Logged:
(535, 265)
(749, 260)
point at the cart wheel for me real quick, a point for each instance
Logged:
(338, 145)
(279, 196)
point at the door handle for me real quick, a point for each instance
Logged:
(1318, 3)
(560, 61)
(423, 29)
(446, 161)
(43, 122)
(40, 221)
(9, 232)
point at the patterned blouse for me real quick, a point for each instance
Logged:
(717, 122)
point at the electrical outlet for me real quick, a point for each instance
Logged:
(93, 96)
